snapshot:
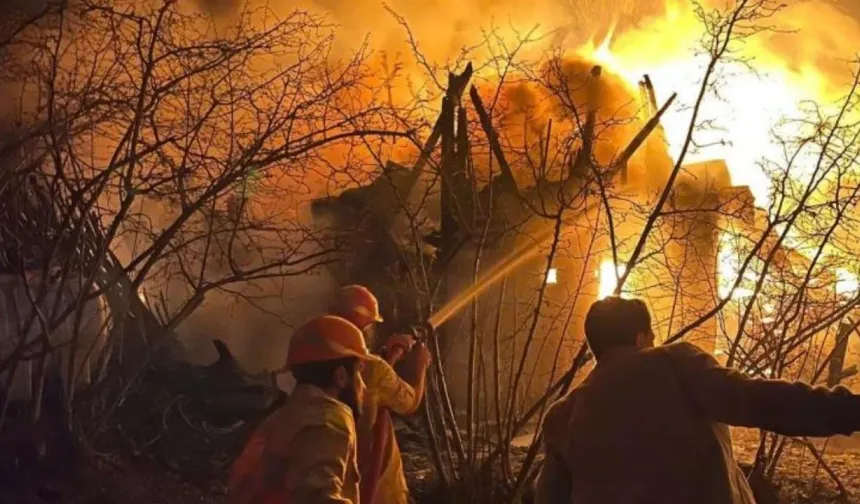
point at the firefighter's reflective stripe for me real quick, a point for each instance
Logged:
(385, 389)
(304, 453)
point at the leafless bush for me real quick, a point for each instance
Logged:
(152, 152)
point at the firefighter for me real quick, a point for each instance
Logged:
(650, 424)
(383, 481)
(305, 452)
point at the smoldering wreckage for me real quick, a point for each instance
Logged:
(194, 419)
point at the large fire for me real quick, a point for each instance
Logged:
(750, 106)
(800, 61)
(745, 115)
(728, 270)
(608, 276)
(794, 65)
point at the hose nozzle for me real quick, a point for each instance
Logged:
(421, 331)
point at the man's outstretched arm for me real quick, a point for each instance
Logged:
(788, 408)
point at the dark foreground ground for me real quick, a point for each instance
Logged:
(95, 478)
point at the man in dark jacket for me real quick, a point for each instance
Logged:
(650, 425)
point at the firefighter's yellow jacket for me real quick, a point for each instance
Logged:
(385, 389)
(304, 453)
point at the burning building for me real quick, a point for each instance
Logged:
(531, 317)
(571, 198)
(427, 227)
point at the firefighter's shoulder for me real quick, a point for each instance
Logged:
(318, 410)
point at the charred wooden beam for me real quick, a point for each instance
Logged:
(583, 158)
(449, 223)
(400, 184)
(456, 184)
(836, 372)
(463, 181)
(462, 145)
(593, 101)
(628, 152)
(651, 95)
(456, 85)
(450, 226)
(226, 363)
(507, 176)
(430, 146)
(544, 153)
(646, 111)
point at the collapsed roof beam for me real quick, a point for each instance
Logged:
(621, 161)
(580, 163)
(507, 176)
(457, 84)
(649, 91)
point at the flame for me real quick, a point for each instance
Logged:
(749, 108)
(847, 283)
(728, 270)
(552, 276)
(608, 276)
(603, 52)
(793, 66)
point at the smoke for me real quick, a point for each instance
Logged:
(219, 8)
(647, 33)
(619, 117)
(254, 318)
(13, 14)
(825, 45)
(442, 28)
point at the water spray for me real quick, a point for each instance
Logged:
(510, 262)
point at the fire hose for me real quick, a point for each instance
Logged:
(382, 426)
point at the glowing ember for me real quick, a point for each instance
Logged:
(608, 276)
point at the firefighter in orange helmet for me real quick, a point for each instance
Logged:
(382, 478)
(305, 452)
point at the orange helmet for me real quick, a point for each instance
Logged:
(326, 338)
(356, 301)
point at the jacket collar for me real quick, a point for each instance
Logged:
(617, 354)
(310, 391)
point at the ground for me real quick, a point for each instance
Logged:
(93, 478)
(802, 478)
